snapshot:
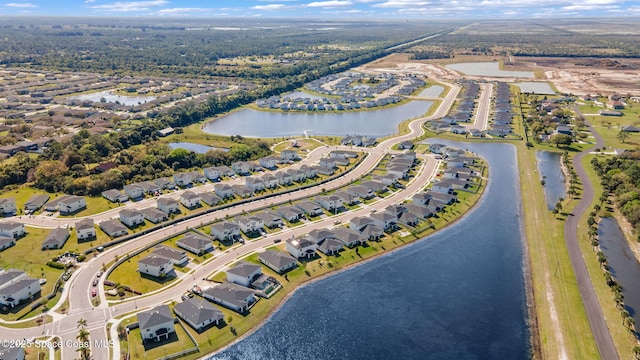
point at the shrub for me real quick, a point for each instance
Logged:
(56, 265)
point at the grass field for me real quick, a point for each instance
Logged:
(609, 126)
(127, 274)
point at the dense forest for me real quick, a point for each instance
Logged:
(620, 177)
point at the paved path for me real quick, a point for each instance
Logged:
(79, 286)
(597, 322)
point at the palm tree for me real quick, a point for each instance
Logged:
(82, 323)
(84, 349)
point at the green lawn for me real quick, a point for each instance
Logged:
(127, 274)
(95, 205)
(176, 343)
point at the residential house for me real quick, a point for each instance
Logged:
(309, 208)
(408, 218)
(284, 178)
(190, 199)
(565, 130)
(16, 287)
(330, 202)
(372, 232)
(242, 190)
(70, 204)
(254, 183)
(250, 224)
(85, 230)
(319, 235)
(210, 198)
(310, 172)
(212, 173)
(447, 199)
(348, 236)
(6, 242)
(113, 228)
(115, 196)
(182, 179)
(198, 313)
(438, 148)
(374, 186)
(343, 154)
(243, 273)
(270, 181)
(384, 220)
(330, 246)
(156, 324)
(197, 177)
(347, 197)
(327, 162)
(270, 219)
(323, 170)
(195, 243)
(421, 198)
(443, 186)
(154, 215)
(405, 145)
(225, 191)
(156, 266)
(12, 229)
(297, 175)
(242, 167)
(165, 183)
(288, 155)
(301, 248)
(225, 170)
(168, 205)
(290, 213)
(398, 171)
(56, 239)
(8, 206)
(420, 211)
(361, 192)
(177, 257)
(387, 179)
(269, 162)
(150, 188)
(226, 230)
(165, 132)
(131, 217)
(36, 202)
(235, 297)
(134, 191)
(360, 222)
(277, 260)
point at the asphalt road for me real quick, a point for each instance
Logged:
(78, 288)
(597, 322)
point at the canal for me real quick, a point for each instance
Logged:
(456, 294)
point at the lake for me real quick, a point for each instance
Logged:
(110, 97)
(377, 123)
(432, 91)
(550, 169)
(622, 263)
(535, 87)
(457, 294)
(487, 69)
(196, 148)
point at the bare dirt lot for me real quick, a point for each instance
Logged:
(578, 76)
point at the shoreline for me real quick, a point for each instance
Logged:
(310, 281)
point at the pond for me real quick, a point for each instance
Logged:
(457, 294)
(109, 96)
(377, 123)
(487, 69)
(432, 91)
(196, 148)
(550, 169)
(535, 87)
(623, 264)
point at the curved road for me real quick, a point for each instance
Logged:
(597, 322)
(78, 287)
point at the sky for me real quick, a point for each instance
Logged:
(364, 9)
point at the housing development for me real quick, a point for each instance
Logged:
(138, 223)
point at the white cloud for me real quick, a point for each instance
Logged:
(182, 11)
(270, 7)
(21, 5)
(401, 4)
(130, 6)
(89, 1)
(330, 3)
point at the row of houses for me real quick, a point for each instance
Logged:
(66, 204)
